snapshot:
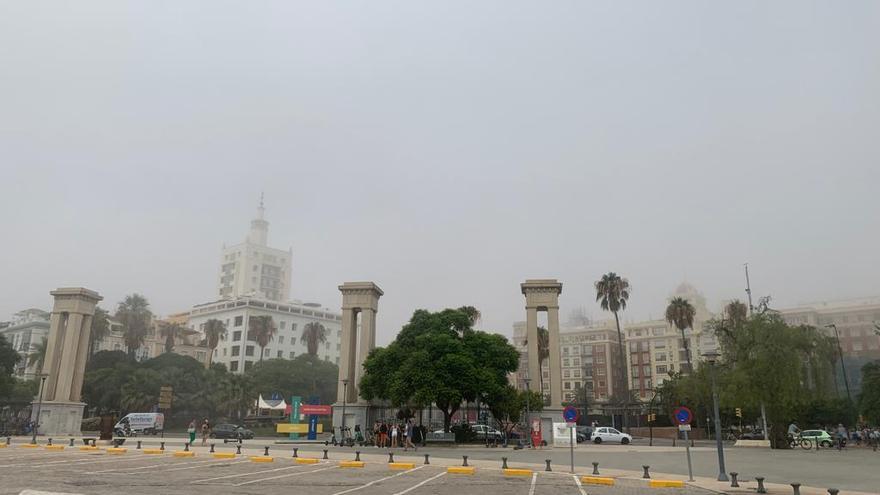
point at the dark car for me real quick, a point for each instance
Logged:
(753, 435)
(231, 432)
(584, 433)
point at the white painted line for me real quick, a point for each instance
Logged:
(577, 481)
(246, 474)
(284, 476)
(157, 467)
(432, 478)
(81, 462)
(343, 492)
(35, 492)
(534, 482)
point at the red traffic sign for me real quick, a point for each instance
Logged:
(314, 409)
(682, 415)
(570, 414)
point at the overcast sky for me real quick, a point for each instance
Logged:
(445, 150)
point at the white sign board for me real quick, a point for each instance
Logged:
(561, 435)
(684, 427)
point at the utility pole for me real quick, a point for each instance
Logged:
(749, 289)
(842, 366)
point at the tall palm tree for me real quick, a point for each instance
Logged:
(612, 293)
(681, 313)
(472, 313)
(261, 329)
(543, 352)
(134, 315)
(37, 356)
(314, 334)
(737, 313)
(171, 332)
(100, 329)
(215, 331)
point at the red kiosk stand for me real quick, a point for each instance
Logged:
(536, 432)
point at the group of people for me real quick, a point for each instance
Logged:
(393, 434)
(865, 435)
(205, 429)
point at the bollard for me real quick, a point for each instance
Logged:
(760, 480)
(238, 449)
(646, 475)
(426, 459)
(71, 442)
(548, 465)
(325, 454)
(186, 447)
(733, 482)
(357, 455)
(294, 452)
(833, 491)
(504, 463)
(266, 450)
(8, 440)
(390, 457)
(464, 458)
(212, 448)
(50, 442)
(93, 442)
(161, 445)
(797, 488)
(326, 443)
(595, 468)
(139, 445)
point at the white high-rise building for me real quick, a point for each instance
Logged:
(254, 269)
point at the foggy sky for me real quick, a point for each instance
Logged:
(445, 150)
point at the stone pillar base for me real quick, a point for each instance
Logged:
(355, 414)
(549, 415)
(60, 418)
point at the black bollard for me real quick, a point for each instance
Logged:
(186, 447)
(833, 491)
(93, 442)
(8, 440)
(595, 468)
(646, 475)
(71, 442)
(548, 465)
(326, 443)
(139, 445)
(50, 442)
(797, 488)
(464, 458)
(733, 482)
(426, 459)
(760, 480)
(325, 454)
(238, 449)
(212, 448)
(390, 457)
(266, 451)
(295, 449)
(161, 445)
(504, 463)
(357, 455)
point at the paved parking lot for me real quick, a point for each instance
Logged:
(134, 472)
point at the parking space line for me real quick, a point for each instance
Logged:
(577, 482)
(245, 474)
(92, 460)
(284, 476)
(343, 492)
(432, 478)
(189, 465)
(534, 482)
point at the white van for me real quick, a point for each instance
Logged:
(143, 423)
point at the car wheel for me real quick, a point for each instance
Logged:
(624, 441)
(826, 444)
(597, 440)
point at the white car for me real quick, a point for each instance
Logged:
(608, 434)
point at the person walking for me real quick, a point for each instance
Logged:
(408, 436)
(191, 429)
(841, 436)
(394, 432)
(383, 435)
(206, 430)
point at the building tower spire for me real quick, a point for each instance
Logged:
(259, 226)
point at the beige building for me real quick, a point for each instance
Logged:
(188, 344)
(25, 332)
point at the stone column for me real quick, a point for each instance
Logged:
(532, 340)
(82, 357)
(68, 340)
(543, 295)
(347, 352)
(555, 358)
(368, 343)
(57, 322)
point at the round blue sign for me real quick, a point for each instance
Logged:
(570, 414)
(682, 415)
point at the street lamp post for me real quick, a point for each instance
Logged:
(344, 398)
(39, 406)
(712, 358)
(528, 411)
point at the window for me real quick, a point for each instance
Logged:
(327, 346)
(600, 371)
(255, 268)
(233, 366)
(291, 355)
(248, 365)
(576, 362)
(565, 361)
(249, 351)
(224, 351)
(236, 336)
(280, 340)
(280, 354)
(576, 373)
(239, 320)
(567, 385)
(566, 374)
(635, 372)
(601, 383)
(661, 370)
(659, 357)
(236, 350)
(267, 352)
(282, 325)
(857, 346)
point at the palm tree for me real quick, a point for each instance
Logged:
(100, 329)
(543, 353)
(314, 334)
(261, 329)
(737, 313)
(472, 313)
(134, 315)
(171, 332)
(681, 313)
(215, 331)
(37, 356)
(612, 292)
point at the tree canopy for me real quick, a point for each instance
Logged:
(438, 358)
(135, 316)
(869, 400)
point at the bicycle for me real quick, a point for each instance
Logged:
(799, 441)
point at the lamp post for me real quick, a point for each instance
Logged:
(344, 398)
(712, 357)
(39, 406)
(842, 367)
(528, 411)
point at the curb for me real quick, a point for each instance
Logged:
(89, 448)
(184, 453)
(351, 464)
(28, 445)
(597, 480)
(154, 451)
(224, 455)
(401, 465)
(117, 450)
(307, 460)
(262, 458)
(517, 472)
(666, 484)
(461, 470)
(55, 447)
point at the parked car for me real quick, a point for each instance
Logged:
(818, 437)
(231, 432)
(752, 435)
(611, 435)
(484, 431)
(140, 423)
(584, 433)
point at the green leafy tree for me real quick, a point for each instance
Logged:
(135, 316)
(612, 293)
(100, 329)
(438, 358)
(870, 397)
(261, 329)
(8, 359)
(508, 406)
(307, 375)
(314, 334)
(472, 313)
(170, 332)
(215, 331)
(37, 356)
(680, 313)
(141, 391)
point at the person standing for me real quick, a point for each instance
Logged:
(408, 436)
(394, 432)
(191, 429)
(206, 430)
(383, 435)
(841, 436)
